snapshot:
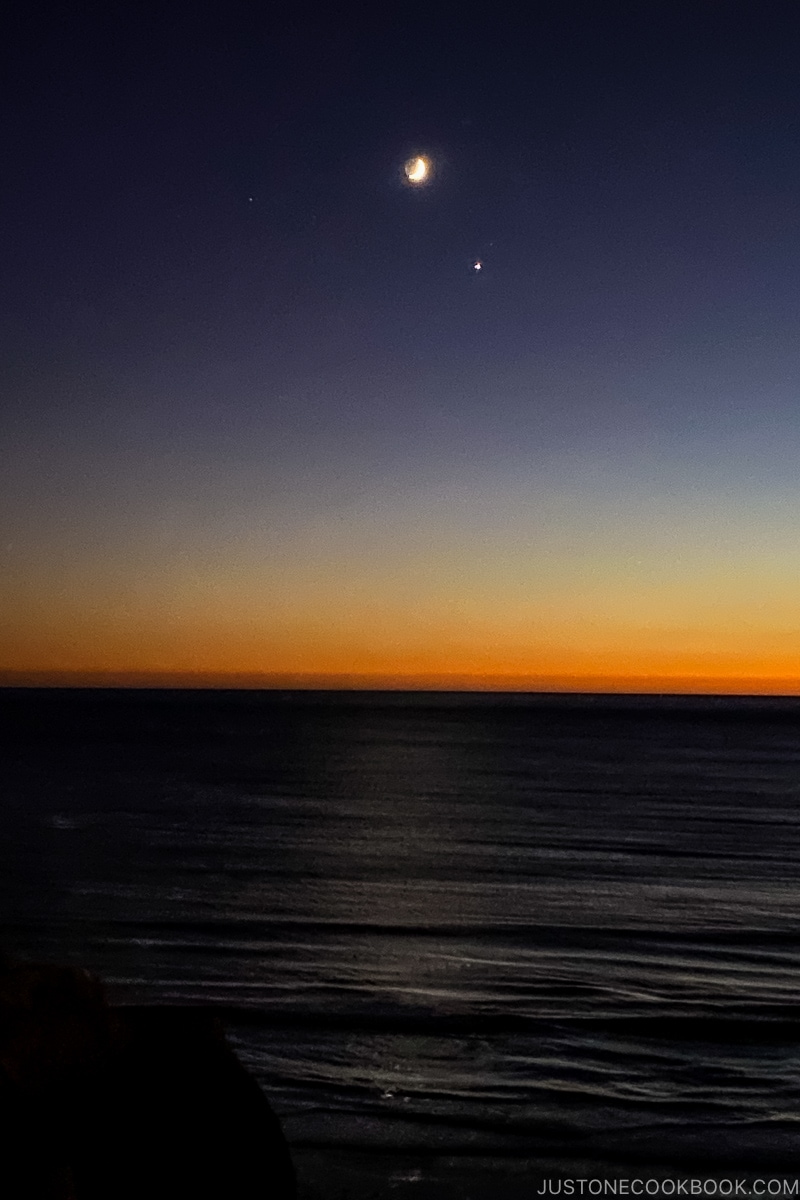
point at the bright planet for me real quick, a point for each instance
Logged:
(418, 169)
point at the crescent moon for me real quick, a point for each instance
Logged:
(417, 169)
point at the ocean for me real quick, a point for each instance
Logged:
(464, 941)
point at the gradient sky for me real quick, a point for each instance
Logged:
(261, 419)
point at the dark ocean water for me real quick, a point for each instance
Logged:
(554, 930)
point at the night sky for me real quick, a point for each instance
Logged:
(263, 420)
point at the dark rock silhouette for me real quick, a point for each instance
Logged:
(100, 1103)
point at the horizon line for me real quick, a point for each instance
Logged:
(456, 682)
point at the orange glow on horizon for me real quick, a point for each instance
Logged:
(209, 651)
(696, 684)
(360, 607)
